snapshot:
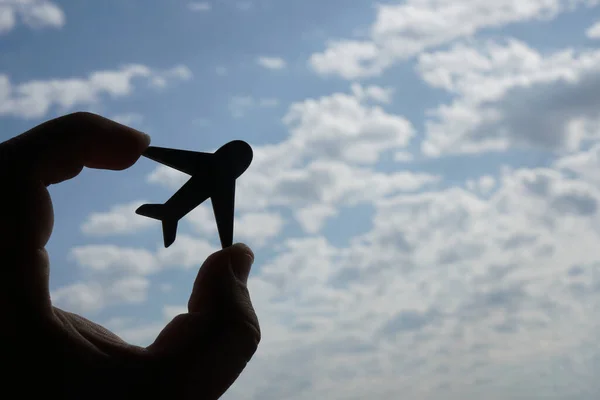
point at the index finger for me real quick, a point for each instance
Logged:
(58, 149)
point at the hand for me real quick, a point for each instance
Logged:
(50, 352)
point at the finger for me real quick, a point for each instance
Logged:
(205, 350)
(49, 153)
(58, 149)
(53, 152)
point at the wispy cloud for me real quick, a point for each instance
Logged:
(36, 14)
(34, 99)
(271, 62)
(239, 106)
(593, 32)
(421, 25)
(200, 6)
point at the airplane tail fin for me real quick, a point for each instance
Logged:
(157, 211)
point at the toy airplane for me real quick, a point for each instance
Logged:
(212, 175)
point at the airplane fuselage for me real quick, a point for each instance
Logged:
(228, 163)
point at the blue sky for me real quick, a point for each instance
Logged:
(423, 203)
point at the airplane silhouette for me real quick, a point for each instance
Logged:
(212, 175)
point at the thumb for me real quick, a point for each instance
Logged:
(202, 353)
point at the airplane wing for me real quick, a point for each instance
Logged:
(186, 161)
(223, 202)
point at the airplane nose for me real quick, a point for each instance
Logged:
(237, 156)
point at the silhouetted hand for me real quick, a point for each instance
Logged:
(52, 353)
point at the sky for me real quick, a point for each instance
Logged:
(423, 204)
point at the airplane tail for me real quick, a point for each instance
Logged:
(157, 211)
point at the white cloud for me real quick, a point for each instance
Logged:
(372, 92)
(117, 275)
(36, 98)
(239, 106)
(510, 95)
(466, 289)
(200, 6)
(403, 30)
(36, 14)
(113, 260)
(323, 164)
(201, 218)
(484, 184)
(313, 217)
(91, 297)
(101, 258)
(258, 228)
(448, 287)
(403, 156)
(140, 334)
(170, 312)
(186, 252)
(177, 73)
(593, 32)
(350, 127)
(252, 228)
(271, 62)
(129, 119)
(119, 219)
(80, 297)
(131, 290)
(584, 165)
(345, 127)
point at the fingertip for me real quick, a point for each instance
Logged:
(243, 248)
(146, 139)
(242, 258)
(118, 150)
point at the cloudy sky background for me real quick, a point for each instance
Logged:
(424, 202)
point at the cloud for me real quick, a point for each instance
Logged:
(170, 312)
(271, 62)
(449, 287)
(36, 98)
(187, 252)
(119, 219)
(258, 228)
(401, 31)
(509, 95)
(593, 32)
(115, 259)
(324, 183)
(141, 333)
(253, 228)
(239, 106)
(345, 127)
(456, 287)
(91, 297)
(115, 275)
(351, 127)
(128, 119)
(326, 160)
(79, 297)
(484, 184)
(313, 217)
(403, 156)
(199, 6)
(37, 14)
(178, 73)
